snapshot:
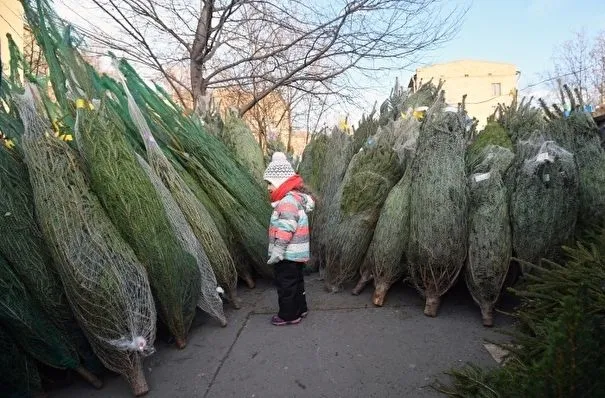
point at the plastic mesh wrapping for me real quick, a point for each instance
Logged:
(490, 240)
(105, 284)
(209, 299)
(370, 176)
(181, 204)
(544, 200)
(438, 205)
(136, 209)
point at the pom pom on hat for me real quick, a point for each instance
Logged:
(279, 170)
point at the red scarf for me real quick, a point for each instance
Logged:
(290, 184)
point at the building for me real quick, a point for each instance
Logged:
(486, 84)
(11, 21)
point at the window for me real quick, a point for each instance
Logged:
(496, 89)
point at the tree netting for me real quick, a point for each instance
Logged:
(438, 205)
(19, 377)
(242, 201)
(214, 259)
(368, 126)
(243, 267)
(131, 201)
(544, 199)
(311, 167)
(238, 137)
(105, 284)
(384, 260)
(489, 240)
(24, 247)
(339, 151)
(590, 158)
(33, 329)
(208, 299)
(371, 174)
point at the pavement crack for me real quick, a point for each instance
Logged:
(224, 358)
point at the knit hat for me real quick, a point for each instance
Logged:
(279, 170)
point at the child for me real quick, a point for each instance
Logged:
(288, 238)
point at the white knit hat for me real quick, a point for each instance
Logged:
(279, 170)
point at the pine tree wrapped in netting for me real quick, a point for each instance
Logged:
(243, 267)
(339, 151)
(438, 205)
(214, 260)
(32, 328)
(241, 200)
(371, 174)
(209, 299)
(131, 201)
(313, 163)
(489, 240)
(25, 248)
(238, 137)
(385, 258)
(106, 285)
(544, 198)
(385, 261)
(589, 156)
(19, 377)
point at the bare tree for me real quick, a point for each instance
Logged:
(262, 45)
(597, 54)
(580, 63)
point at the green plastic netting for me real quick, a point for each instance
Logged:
(385, 258)
(19, 377)
(131, 201)
(438, 205)
(105, 284)
(489, 240)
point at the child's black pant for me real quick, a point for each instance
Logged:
(290, 283)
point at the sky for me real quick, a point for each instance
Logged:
(524, 33)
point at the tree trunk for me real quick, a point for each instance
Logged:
(199, 51)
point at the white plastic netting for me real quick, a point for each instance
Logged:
(105, 284)
(214, 251)
(489, 241)
(544, 202)
(209, 299)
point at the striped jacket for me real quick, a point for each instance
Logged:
(289, 227)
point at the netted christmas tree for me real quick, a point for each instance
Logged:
(438, 205)
(105, 284)
(489, 231)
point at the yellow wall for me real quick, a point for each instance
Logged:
(11, 21)
(475, 79)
